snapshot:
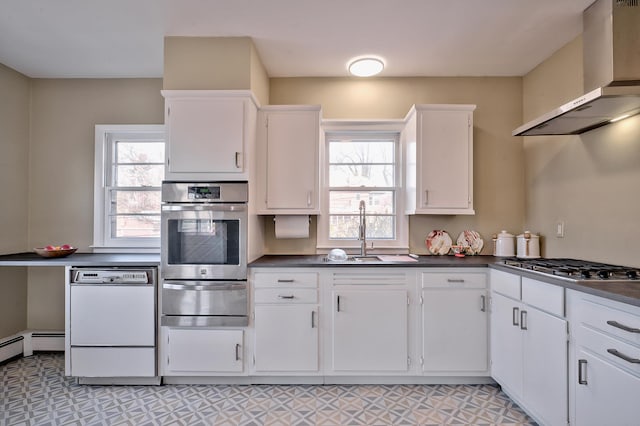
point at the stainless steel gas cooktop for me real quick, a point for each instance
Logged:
(576, 270)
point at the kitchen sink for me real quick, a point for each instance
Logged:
(364, 259)
(356, 259)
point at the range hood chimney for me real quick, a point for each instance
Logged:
(611, 64)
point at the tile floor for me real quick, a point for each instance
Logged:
(34, 391)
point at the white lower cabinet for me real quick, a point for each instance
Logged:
(369, 330)
(455, 323)
(506, 343)
(202, 352)
(286, 339)
(605, 361)
(609, 395)
(529, 346)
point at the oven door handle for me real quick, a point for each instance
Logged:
(199, 286)
(204, 207)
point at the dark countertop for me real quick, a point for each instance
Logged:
(81, 259)
(625, 292)
(316, 261)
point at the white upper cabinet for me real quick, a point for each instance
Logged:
(288, 159)
(209, 133)
(438, 143)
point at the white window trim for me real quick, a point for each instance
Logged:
(102, 242)
(401, 243)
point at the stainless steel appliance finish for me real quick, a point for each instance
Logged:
(112, 324)
(204, 230)
(576, 270)
(204, 303)
(204, 254)
(611, 65)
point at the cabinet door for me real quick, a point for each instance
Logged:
(286, 338)
(610, 395)
(455, 336)
(196, 352)
(545, 351)
(205, 135)
(445, 160)
(506, 343)
(292, 160)
(370, 330)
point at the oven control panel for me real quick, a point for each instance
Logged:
(203, 192)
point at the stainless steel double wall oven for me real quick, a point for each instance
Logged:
(204, 253)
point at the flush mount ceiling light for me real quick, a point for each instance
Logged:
(365, 67)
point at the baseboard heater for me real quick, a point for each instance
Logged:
(28, 341)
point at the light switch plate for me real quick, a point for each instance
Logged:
(560, 229)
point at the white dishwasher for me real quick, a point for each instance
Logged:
(112, 325)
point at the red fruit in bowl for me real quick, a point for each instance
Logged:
(66, 247)
(50, 248)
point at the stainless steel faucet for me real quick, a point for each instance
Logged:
(363, 229)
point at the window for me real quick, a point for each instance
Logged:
(362, 166)
(129, 172)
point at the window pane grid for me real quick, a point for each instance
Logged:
(136, 173)
(362, 168)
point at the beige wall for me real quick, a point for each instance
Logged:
(498, 158)
(259, 78)
(214, 63)
(14, 157)
(64, 113)
(14, 179)
(589, 181)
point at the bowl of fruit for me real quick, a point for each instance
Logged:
(55, 251)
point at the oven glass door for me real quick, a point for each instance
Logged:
(203, 242)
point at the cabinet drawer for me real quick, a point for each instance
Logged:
(285, 279)
(286, 295)
(613, 350)
(457, 280)
(624, 324)
(547, 297)
(505, 283)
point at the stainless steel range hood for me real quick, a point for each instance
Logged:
(611, 64)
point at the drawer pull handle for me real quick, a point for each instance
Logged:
(237, 351)
(523, 320)
(616, 324)
(514, 317)
(338, 304)
(483, 303)
(288, 296)
(582, 378)
(313, 319)
(455, 280)
(620, 355)
(285, 281)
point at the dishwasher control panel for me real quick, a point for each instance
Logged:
(110, 276)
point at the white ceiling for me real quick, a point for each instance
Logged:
(124, 38)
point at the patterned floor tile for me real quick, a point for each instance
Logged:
(34, 391)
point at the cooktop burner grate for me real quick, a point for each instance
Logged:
(576, 270)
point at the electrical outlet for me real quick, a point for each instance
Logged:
(560, 229)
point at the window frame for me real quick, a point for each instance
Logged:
(105, 137)
(371, 128)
